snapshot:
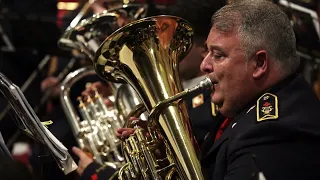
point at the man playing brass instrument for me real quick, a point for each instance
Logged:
(272, 128)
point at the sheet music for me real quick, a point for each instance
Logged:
(43, 134)
(30, 123)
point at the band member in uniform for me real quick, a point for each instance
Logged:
(274, 129)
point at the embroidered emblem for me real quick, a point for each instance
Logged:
(197, 101)
(214, 109)
(267, 107)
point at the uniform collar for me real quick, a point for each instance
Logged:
(274, 89)
(280, 85)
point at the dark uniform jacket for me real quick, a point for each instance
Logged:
(277, 134)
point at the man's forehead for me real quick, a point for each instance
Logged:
(217, 38)
(216, 30)
(216, 34)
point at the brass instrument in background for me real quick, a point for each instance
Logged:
(27, 121)
(95, 128)
(146, 55)
(88, 34)
(96, 131)
(114, 4)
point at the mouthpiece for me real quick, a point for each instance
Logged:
(205, 84)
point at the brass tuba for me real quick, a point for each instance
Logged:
(146, 54)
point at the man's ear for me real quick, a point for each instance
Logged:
(260, 59)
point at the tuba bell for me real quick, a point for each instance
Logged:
(146, 55)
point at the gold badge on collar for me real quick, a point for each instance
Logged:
(267, 107)
(214, 109)
(197, 101)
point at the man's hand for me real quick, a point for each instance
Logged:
(124, 133)
(103, 89)
(84, 161)
(50, 82)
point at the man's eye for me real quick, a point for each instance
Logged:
(217, 56)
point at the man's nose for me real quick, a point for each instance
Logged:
(206, 65)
